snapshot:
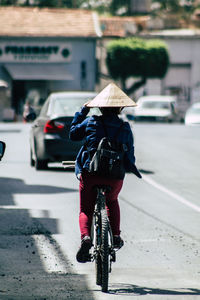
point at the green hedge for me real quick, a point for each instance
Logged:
(137, 57)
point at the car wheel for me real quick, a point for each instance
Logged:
(32, 162)
(40, 164)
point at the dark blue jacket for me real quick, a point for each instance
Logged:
(91, 129)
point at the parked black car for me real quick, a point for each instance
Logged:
(49, 138)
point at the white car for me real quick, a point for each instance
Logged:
(192, 116)
(154, 108)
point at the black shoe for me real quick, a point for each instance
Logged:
(118, 242)
(83, 255)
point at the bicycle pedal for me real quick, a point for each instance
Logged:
(90, 257)
(113, 256)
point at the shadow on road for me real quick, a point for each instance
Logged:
(33, 266)
(146, 171)
(10, 186)
(127, 289)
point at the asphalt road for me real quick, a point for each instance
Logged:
(39, 233)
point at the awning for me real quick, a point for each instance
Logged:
(38, 71)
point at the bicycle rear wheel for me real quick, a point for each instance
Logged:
(98, 268)
(96, 236)
(104, 251)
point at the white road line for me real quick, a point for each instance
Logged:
(170, 193)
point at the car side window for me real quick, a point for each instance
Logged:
(44, 109)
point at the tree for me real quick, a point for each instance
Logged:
(117, 5)
(47, 3)
(177, 6)
(171, 5)
(181, 10)
(102, 6)
(112, 7)
(134, 57)
(8, 2)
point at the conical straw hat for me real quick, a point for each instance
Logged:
(111, 96)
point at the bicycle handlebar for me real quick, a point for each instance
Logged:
(68, 163)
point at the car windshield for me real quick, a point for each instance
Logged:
(155, 104)
(195, 110)
(69, 105)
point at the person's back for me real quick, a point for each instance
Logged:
(107, 141)
(112, 123)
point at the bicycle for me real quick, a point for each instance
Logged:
(103, 251)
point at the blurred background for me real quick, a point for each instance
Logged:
(146, 47)
(54, 56)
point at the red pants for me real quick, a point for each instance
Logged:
(88, 198)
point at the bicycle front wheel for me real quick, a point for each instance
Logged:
(104, 251)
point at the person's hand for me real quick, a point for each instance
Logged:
(85, 110)
(86, 103)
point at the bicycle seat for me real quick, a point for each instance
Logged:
(105, 188)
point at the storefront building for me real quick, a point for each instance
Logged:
(45, 50)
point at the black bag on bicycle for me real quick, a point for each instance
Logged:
(108, 160)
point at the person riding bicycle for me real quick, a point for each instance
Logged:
(111, 100)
